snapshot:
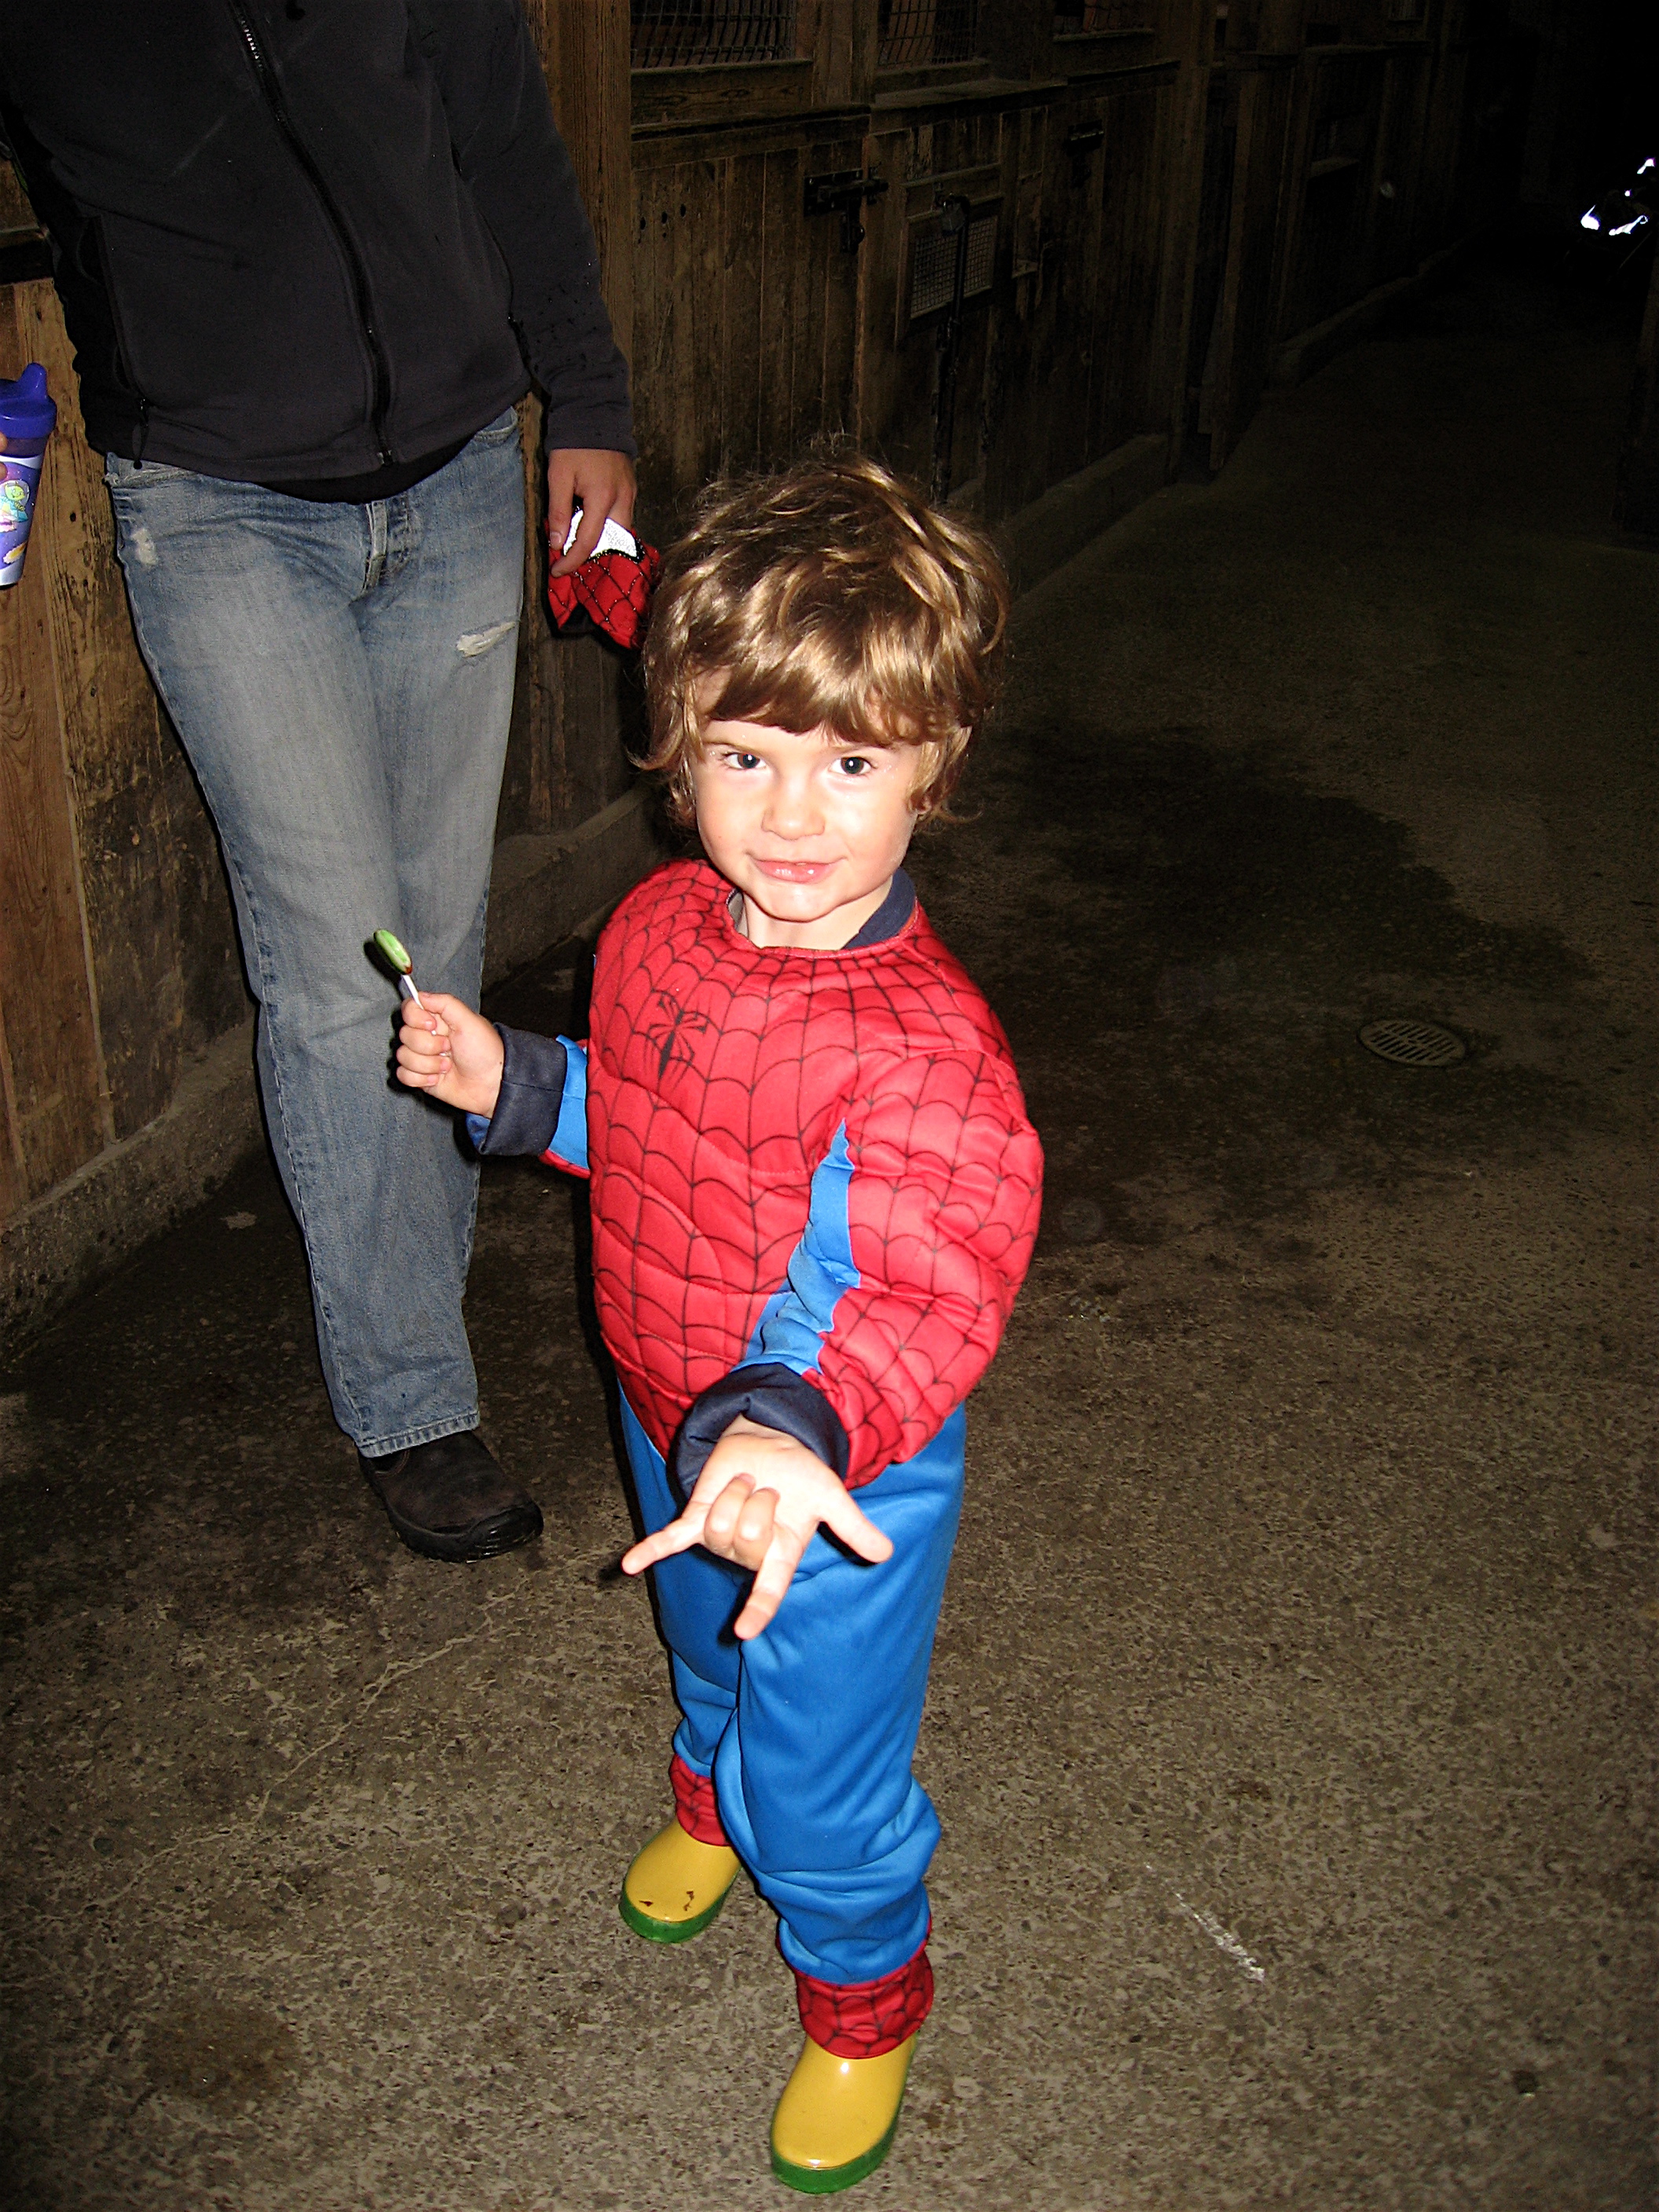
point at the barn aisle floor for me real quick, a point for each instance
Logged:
(1291, 1725)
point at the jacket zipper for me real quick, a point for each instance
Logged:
(270, 86)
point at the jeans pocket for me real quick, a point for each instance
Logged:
(122, 475)
(502, 431)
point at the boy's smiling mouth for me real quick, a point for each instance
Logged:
(793, 872)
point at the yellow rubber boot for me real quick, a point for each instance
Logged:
(676, 1886)
(836, 2118)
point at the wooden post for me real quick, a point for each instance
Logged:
(51, 1081)
(555, 771)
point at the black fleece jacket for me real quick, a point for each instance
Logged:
(307, 239)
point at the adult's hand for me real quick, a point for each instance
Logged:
(602, 483)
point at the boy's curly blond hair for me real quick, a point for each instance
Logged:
(831, 596)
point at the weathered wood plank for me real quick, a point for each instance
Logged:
(685, 400)
(533, 796)
(720, 93)
(820, 241)
(1245, 335)
(843, 281)
(55, 1090)
(14, 1178)
(114, 744)
(706, 283)
(564, 758)
(740, 394)
(780, 279)
(585, 48)
(654, 319)
(1125, 304)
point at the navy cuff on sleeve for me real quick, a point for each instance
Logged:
(776, 1397)
(532, 1087)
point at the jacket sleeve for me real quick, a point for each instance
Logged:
(923, 1215)
(509, 153)
(542, 1108)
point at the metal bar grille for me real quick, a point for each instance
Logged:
(933, 265)
(1102, 15)
(918, 31)
(684, 34)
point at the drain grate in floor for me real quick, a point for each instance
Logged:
(1411, 1044)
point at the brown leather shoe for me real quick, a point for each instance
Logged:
(450, 1500)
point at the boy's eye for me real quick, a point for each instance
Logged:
(854, 764)
(743, 760)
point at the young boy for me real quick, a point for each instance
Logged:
(815, 1192)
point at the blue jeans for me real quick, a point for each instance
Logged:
(809, 1729)
(342, 678)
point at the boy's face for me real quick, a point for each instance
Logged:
(810, 827)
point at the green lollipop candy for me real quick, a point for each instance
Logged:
(392, 950)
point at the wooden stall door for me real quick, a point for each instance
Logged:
(745, 306)
(1242, 344)
(1056, 304)
(1125, 398)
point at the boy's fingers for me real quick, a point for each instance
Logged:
(756, 1521)
(858, 1531)
(771, 1582)
(678, 1536)
(725, 1509)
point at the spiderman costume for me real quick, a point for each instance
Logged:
(815, 1192)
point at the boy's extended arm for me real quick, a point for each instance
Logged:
(923, 1215)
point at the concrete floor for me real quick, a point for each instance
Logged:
(1289, 1723)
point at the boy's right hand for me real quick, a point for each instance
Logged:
(445, 1049)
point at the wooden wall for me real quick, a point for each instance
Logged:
(117, 957)
(1177, 189)
(757, 331)
(1362, 140)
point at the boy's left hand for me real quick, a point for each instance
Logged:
(759, 1501)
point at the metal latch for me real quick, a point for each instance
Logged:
(1078, 144)
(843, 192)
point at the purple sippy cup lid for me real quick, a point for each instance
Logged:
(27, 407)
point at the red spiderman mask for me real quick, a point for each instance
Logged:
(614, 584)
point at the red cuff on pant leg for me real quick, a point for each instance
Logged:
(863, 2020)
(695, 1806)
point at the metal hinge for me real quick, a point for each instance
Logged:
(843, 192)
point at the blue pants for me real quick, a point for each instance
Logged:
(809, 1728)
(342, 678)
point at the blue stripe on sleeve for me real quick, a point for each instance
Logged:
(570, 1141)
(797, 1318)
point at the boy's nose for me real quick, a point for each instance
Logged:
(792, 811)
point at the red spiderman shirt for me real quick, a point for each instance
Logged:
(815, 1187)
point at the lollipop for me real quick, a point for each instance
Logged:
(400, 961)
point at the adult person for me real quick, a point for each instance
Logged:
(311, 253)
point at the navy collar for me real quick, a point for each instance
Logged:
(889, 917)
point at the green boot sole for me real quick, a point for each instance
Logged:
(668, 1931)
(825, 2180)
